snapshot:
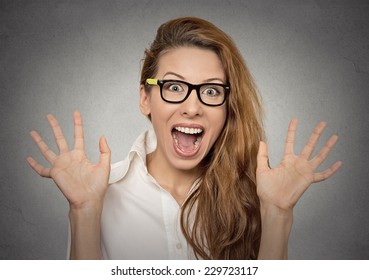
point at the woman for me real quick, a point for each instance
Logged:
(198, 185)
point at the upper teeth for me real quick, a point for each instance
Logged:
(188, 130)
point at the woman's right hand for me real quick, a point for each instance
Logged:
(82, 182)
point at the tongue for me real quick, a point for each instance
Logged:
(186, 141)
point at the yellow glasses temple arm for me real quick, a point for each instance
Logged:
(151, 81)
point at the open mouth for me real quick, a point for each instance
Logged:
(187, 139)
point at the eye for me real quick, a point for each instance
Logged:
(211, 92)
(174, 87)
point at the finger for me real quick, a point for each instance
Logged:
(290, 139)
(105, 153)
(262, 157)
(313, 140)
(79, 143)
(321, 176)
(323, 154)
(40, 170)
(45, 150)
(58, 134)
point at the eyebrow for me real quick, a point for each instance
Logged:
(183, 78)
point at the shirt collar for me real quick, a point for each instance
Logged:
(144, 144)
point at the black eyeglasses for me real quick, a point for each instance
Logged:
(175, 91)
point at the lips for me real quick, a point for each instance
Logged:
(187, 139)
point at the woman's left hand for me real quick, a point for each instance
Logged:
(282, 186)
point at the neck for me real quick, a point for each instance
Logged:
(177, 182)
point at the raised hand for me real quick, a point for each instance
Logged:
(81, 181)
(283, 185)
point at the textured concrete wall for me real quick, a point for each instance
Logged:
(310, 59)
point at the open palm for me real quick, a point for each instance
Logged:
(283, 185)
(80, 181)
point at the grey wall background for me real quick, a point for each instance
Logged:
(310, 59)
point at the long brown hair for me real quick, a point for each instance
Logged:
(221, 218)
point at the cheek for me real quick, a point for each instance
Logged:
(221, 118)
(157, 108)
(161, 113)
(218, 120)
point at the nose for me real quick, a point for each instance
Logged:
(192, 106)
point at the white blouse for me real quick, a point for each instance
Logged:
(140, 220)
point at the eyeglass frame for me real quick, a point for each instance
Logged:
(191, 87)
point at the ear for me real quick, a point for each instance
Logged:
(145, 101)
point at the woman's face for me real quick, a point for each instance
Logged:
(185, 131)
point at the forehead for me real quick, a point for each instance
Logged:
(192, 63)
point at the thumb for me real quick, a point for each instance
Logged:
(105, 153)
(262, 157)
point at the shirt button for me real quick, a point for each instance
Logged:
(179, 246)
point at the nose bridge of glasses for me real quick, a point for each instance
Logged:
(192, 87)
(189, 95)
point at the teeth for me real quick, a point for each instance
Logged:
(188, 130)
(175, 139)
(197, 142)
